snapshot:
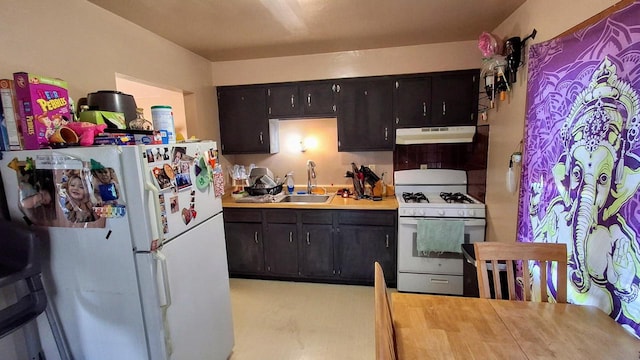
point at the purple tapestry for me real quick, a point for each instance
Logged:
(581, 169)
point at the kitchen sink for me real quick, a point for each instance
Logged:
(307, 198)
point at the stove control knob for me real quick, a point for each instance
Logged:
(461, 212)
(472, 213)
(441, 212)
(421, 212)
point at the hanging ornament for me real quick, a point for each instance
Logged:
(487, 44)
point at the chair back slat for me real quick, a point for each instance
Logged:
(384, 332)
(543, 277)
(496, 280)
(544, 253)
(512, 285)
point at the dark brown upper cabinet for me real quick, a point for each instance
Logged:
(412, 101)
(454, 98)
(365, 114)
(244, 125)
(436, 99)
(369, 109)
(302, 99)
(283, 100)
(318, 98)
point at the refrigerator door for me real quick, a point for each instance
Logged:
(88, 269)
(178, 185)
(191, 317)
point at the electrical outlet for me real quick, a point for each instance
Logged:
(372, 167)
(423, 166)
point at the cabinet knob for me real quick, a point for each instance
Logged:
(290, 236)
(424, 108)
(255, 237)
(387, 241)
(309, 100)
(444, 108)
(292, 98)
(308, 239)
(386, 134)
(397, 120)
(261, 139)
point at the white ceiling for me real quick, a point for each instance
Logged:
(223, 30)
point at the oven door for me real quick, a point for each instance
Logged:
(411, 261)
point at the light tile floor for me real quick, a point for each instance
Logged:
(278, 320)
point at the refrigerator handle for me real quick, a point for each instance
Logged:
(165, 300)
(159, 233)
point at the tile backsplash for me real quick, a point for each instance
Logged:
(471, 157)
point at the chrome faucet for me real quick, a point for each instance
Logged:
(311, 174)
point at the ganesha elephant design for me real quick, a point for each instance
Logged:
(595, 176)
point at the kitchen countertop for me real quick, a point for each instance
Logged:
(337, 203)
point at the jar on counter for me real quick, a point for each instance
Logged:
(140, 123)
(162, 116)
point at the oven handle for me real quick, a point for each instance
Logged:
(467, 222)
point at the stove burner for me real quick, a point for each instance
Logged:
(414, 197)
(455, 197)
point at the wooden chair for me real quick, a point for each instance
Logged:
(510, 252)
(385, 335)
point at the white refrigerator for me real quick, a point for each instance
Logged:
(134, 256)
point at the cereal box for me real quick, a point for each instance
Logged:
(11, 114)
(44, 107)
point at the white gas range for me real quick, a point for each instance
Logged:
(434, 195)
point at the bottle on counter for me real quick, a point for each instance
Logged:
(384, 185)
(290, 183)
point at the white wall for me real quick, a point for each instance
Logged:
(550, 18)
(85, 45)
(399, 60)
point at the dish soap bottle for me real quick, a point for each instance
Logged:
(290, 183)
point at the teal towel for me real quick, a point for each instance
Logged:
(439, 236)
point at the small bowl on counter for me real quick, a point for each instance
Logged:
(239, 195)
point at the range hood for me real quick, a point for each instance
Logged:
(435, 135)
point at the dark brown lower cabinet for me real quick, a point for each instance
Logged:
(245, 251)
(281, 249)
(359, 247)
(335, 246)
(317, 251)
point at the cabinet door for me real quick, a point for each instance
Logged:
(455, 98)
(317, 98)
(245, 253)
(359, 247)
(317, 251)
(244, 127)
(281, 247)
(365, 115)
(283, 100)
(412, 102)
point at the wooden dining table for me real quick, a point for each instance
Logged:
(450, 327)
